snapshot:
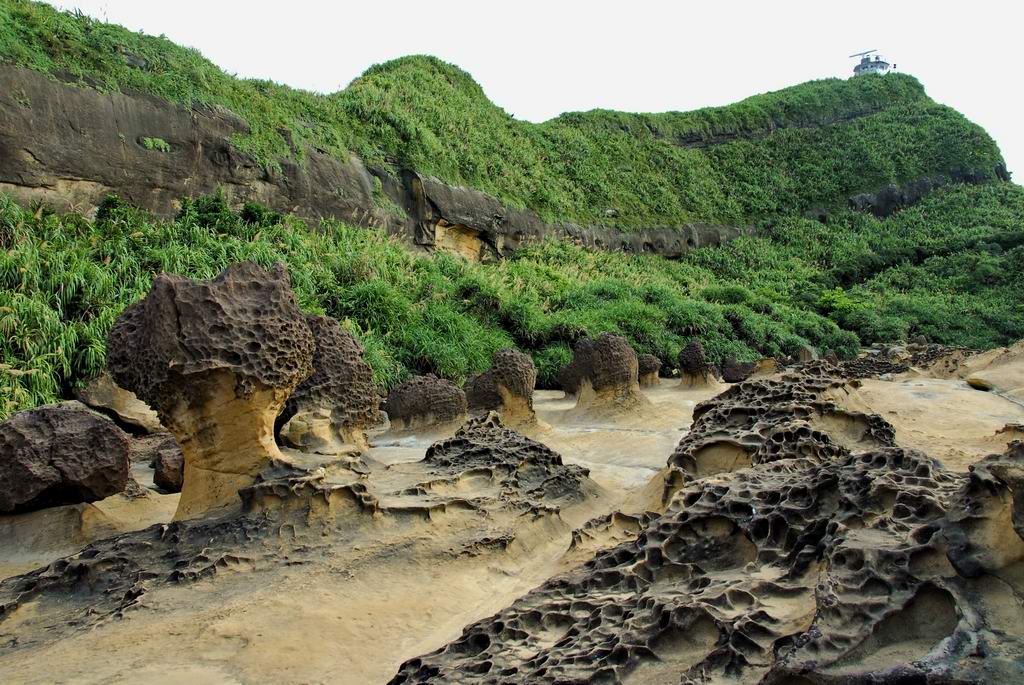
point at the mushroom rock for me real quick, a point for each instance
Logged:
(695, 369)
(424, 401)
(608, 370)
(216, 359)
(331, 410)
(507, 387)
(648, 368)
(60, 454)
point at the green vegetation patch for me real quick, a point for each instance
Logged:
(949, 268)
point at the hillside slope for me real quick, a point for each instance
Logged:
(949, 268)
(809, 147)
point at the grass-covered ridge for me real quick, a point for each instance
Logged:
(949, 268)
(828, 139)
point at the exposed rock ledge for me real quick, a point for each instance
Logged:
(69, 146)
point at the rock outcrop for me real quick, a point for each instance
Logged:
(735, 371)
(425, 401)
(58, 149)
(331, 410)
(608, 372)
(507, 387)
(217, 360)
(648, 368)
(821, 557)
(695, 370)
(531, 475)
(60, 454)
(104, 395)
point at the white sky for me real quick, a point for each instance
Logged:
(537, 58)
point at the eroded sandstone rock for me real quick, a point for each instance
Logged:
(694, 368)
(217, 360)
(735, 371)
(608, 372)
(168, 462)
(103, 394)
(818, 558)
(330, 411)
(507, 387)
(60, 454)
(424, 401)
(648, 367)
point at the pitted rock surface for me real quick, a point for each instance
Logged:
(693, 361)
(872, 367)
(60, 454)
(506, 387)
(530, 473)
(336, 404)
(648, 367)
(244, 321)
(695, 368)
(607, 361)
(569, 378)
(816, 564)
(424, 401)
(216, 359)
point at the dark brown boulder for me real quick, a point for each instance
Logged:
(425, 401)
(331, 410)
(167, 461)
(648, 367)
(217, 360)
(568, 378)
(734, 371)
(507, 387)
(60, 454)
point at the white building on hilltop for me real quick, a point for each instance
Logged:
(871, 63)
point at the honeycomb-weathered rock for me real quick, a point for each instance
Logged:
(825, 559)
(330, 411)
(60, 454)
(695, 369)
(507, 387)
(608, 372)
(648, 367)
(531, 474)
(424, 401)
(216, 359)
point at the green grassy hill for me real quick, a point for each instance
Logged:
(829, 139)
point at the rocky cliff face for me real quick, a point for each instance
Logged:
(70, 146)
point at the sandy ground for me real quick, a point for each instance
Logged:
(393, 591)
(945, 418)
